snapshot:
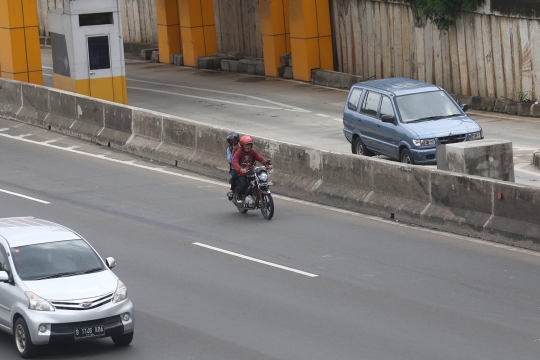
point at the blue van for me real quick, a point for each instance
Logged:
(404, 119)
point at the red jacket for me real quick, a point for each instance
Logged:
(242, 157)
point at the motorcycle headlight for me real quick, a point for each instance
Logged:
(38, 303)
(120, 293)
(424, 142)
(263, 176)
(476, 135)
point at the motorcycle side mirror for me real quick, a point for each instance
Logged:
(464, 107)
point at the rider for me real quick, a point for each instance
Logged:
(247, 156)
(232, 139)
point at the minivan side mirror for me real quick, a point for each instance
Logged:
(110, 262)
(4, 276)
(464, 107)
(387, 119)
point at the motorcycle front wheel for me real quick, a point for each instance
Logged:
(267, 206)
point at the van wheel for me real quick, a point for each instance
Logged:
(406, 157)
(23, 342)
(359, 148)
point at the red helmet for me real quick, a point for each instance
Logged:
(245, 140)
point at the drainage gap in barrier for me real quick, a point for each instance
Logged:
(108, 144)
(391, 215)
(175, 162)
(49, 127)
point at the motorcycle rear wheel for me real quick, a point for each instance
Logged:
(267, 206)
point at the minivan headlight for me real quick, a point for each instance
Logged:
(38, 303)
(476, 135)
(121, 293)
(424, 142)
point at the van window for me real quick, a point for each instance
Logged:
(371, 104)
(386, 107)
(354, 99)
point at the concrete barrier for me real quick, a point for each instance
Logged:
(536, 159)
(468, 205)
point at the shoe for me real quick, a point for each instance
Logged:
(239, 201)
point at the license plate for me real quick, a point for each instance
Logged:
(90, 331)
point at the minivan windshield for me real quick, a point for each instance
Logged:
(426, 106)
(55, 259)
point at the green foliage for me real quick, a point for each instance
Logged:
(526, 97)
(444, 13)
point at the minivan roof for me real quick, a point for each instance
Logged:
(399, 86)
(22, 231)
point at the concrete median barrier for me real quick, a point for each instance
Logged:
(516, 214)
(10, 98)
(458, 201)
(90, 121)
(35, 104)
(63, 110)
(468, 205)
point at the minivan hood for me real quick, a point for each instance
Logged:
(444, 127)
(75, 287)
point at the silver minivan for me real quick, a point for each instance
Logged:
(54, 287)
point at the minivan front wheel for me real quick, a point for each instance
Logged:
(23, 342)
(406, 157)
(122, 340)
(359, 147)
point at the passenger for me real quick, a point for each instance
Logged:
(232, 139)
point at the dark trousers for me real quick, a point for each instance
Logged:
(242, 185)
(233, 180)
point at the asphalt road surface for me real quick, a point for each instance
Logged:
(354, 287)
(286, 110)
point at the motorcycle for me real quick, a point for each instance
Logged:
(258, 194)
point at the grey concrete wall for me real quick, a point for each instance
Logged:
(463, 204)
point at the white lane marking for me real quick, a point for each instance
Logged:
(302, 202)
(205, 98)
(256, 260)
(73, 147)
(4, 129)
(220, 92)
(23, 136)
(338, 119)
(46, 67)
(51, 141)
(323, 115)
(24, 196)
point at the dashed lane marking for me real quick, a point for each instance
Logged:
(255, 260)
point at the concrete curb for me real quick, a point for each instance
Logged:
(467, 205)
(334, 79)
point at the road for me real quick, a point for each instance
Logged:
(369, 288)
(286, 110)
